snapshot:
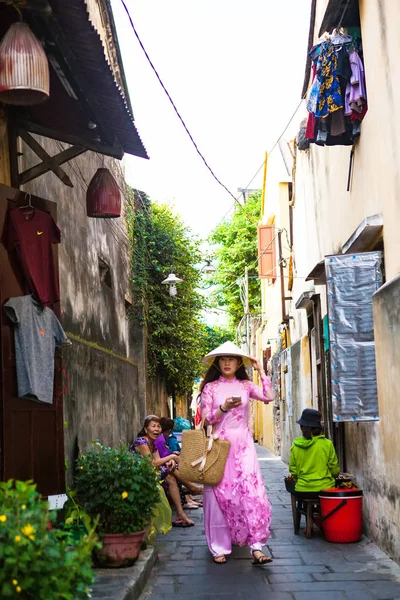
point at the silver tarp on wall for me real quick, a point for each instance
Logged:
(351, 280)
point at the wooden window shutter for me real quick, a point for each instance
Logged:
(267, 252)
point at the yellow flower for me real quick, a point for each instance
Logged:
(15, 582)
(117, 458)
(23, 507)
(18, 589)
(81, 468)
(17, 538)
(124, 495)
(28, 531)
(3, 518)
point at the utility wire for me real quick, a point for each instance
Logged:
(263, 163)
(236, 200)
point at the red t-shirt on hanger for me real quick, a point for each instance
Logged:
(31, 236)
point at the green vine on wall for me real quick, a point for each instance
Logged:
(160, 244)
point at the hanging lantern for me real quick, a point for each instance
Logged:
(103, 197)
(24, 69)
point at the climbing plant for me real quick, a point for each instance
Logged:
(161, 244)
(235, 248)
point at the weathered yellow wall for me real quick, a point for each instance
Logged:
(267, 425)
(325, 216)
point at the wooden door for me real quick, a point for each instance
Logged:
(31, 434)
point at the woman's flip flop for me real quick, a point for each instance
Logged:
(178, 523)
(220, 562)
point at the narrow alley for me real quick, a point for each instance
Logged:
(302, 569)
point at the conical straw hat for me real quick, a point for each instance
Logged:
(227, 349)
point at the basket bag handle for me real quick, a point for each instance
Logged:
(211, 437)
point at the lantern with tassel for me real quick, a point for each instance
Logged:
(24, 68)
(103, 197)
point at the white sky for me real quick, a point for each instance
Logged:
(234, 68)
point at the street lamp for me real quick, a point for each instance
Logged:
(208, 268)
(172, 280)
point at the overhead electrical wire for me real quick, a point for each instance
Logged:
(236, 199)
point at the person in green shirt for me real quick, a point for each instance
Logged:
(313, 460)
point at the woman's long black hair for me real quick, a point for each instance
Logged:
(214, 372)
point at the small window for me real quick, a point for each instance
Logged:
(128, 305)
(105, 273)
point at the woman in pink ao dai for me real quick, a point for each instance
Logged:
(237, 510)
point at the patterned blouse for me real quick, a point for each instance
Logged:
(143, 441)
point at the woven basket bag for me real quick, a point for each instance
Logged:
(203, 457)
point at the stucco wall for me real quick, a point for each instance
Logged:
(325, 216)
(157, 398)
(298, 376)
(105, 371)
(100, 399)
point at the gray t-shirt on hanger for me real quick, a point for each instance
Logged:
(37, 332)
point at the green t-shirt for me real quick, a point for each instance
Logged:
(314, 464)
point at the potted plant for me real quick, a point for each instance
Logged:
(38, 562)
(75, 520)
(120, 489)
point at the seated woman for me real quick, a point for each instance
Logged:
(144, 445)
(167, 426)
(160, 444)
(313, 460)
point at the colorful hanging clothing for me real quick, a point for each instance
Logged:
(330, 93)
(356, 94)
(237, 510)
(31, 237)
(37, 333)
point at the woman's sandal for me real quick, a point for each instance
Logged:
(220, 562)
(180, 523)
(261, 560)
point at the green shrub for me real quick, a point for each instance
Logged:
(117, 486)
(36, 561)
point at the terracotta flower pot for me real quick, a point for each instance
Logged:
(119, 550)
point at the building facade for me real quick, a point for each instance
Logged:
(344, 213)
(49, 153)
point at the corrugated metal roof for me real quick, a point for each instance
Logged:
(88, 49)
(76, 52)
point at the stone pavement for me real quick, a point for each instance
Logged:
(302, 569)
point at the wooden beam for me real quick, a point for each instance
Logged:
(42, 168)
(114, 151)
(48, 161)
(13, 149)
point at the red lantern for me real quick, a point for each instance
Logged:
(103, 197)
(24, 69)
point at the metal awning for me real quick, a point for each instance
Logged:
(366, 236)
(86, 106)
(317, 274)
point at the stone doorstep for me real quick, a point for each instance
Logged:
(124, 584)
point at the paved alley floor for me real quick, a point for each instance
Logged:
(302, 569)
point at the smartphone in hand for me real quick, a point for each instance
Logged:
(237, 399)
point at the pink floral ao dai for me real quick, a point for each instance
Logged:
(237, 510)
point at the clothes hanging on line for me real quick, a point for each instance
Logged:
(37, 333)
(29, 236)
(337, 101)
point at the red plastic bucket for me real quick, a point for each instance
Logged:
(341, 512)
